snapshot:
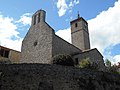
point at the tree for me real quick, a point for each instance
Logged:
(112, 68)
(63, 59)
(108, 63)
(119, 64)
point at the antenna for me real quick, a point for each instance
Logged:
(78, 15)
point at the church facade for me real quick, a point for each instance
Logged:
(41, 43)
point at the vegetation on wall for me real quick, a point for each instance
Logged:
(86, 63)
(112, 68)
(63, 59)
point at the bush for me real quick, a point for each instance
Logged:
(114, 69)
(86, 63)
(108, 63)
(63, 59)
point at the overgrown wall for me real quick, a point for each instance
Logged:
(53, 77)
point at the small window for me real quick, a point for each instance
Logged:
(35, 43)
(76, 25)
(6, 54)
(34, 20)
(38, 17)
(76, 61)
(2, 52)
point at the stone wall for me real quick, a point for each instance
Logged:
(14, 56)
(94, 56)
(41, 44)
(80, 34)
(61, 46)
(37, 45)
(55, 77)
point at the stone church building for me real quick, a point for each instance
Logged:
(41, 43)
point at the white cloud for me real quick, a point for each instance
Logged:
(8, 30)
(63, 6)
(25, 19)
(104, 31)
(65, 34)
(12, 44)
(76, 1)
(105, 28)
(113, 59)
(116, 59)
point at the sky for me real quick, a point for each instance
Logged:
(103, 17)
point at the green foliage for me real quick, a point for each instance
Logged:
(111, 68)
(63, 59)
(86, 63)
(114, 69)
(108, 63)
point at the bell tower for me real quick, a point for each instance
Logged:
(39, 16)
(80, 33)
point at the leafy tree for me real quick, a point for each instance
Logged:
(63, 59)
(112, 68)
(108, 63)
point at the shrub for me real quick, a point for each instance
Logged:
(86, 63)
(63, 59)
(108, 63)
(114, 69)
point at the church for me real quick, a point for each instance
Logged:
(41, 43)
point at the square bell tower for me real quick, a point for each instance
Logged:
(80, 33)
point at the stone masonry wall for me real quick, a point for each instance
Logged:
(55, 77)
(37, 45)
(94, 56)
(61, 46)
(80, 34)
(14, 56)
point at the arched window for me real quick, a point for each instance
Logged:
(76, 25)
(38, 17)
(34, 20)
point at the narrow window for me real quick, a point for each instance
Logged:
(6, 54)
(76, 61)
(38, 17)
(34, 20)
(76, 25)
(2, 52)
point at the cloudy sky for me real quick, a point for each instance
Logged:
(103, 17)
